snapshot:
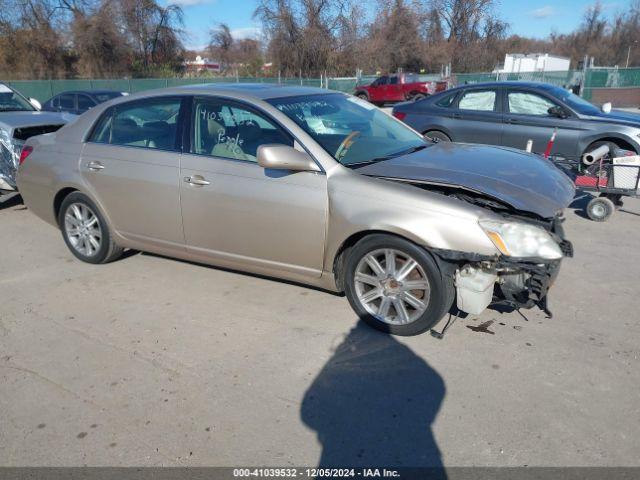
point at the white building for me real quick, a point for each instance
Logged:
(533, 62)
(202, 64)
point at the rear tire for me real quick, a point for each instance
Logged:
(397, 308)
(85, 230)
(600, 209)
(418, 96)
(363, 96)
(437, 136)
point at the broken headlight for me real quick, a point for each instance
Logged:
(517, 239)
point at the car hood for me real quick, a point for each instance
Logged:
(12, 120)
(617, 116)
(522, 180)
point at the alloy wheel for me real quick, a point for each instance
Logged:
(83, 230)
(392, 286)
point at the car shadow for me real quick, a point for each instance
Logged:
(10, 200)
(580, 202)
(373, 404)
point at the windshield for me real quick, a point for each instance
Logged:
(351, 130)
(577, 103)
(11, 101)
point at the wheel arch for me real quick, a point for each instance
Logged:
(59, 198)
(339, 259)
(444, 131)
(361, 92)
(618, 140)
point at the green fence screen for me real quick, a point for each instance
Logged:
(42, 90)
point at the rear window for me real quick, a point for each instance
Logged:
(478, 100)
(67, 102)
(150, 123)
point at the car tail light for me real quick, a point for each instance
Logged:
(399, 115)
(26, 151)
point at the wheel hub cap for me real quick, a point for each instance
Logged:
(392, 286)
(82, 229)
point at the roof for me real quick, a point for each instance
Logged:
(88, 91)
(261, 91)
(511, 83)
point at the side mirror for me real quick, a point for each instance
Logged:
(284, 157)
(606, 107)
(35, 103)
(557, 111)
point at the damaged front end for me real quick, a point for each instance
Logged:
(521, 276)
(9, 159)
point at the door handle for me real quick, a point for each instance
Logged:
(456, 115)
(95, 166)
(512, 120)
(197, 180)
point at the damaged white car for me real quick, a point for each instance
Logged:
(20, 119)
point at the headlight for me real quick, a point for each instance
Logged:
(516, 239)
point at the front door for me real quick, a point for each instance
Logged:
(527, 118)
(131, 163)
(238, 212)
(477, 118)
(378, 89)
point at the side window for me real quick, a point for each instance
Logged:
(478, 100)
(447, 100)
(85, 103)
(228, 130)
(393, 80)
(147, 123)
(67, 102)
(102, 131)
(525, 103)
(381, 81)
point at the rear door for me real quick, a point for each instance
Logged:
(477, 116)
(132, 164)
(527, 118)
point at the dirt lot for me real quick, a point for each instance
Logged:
(152, 361)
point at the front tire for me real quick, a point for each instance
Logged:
(85, 230)
(437, 136)
(396, 286)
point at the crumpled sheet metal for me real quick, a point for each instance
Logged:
(9, 159)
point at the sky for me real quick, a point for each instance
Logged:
(526, 17)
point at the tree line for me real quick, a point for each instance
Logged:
(142, 38)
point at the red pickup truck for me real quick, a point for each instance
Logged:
(398, 88)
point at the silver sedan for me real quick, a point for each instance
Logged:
(249, 177)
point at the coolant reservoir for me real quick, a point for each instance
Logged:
(474, 289)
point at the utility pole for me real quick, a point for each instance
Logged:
(629, 52)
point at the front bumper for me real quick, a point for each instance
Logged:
(517, 283)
